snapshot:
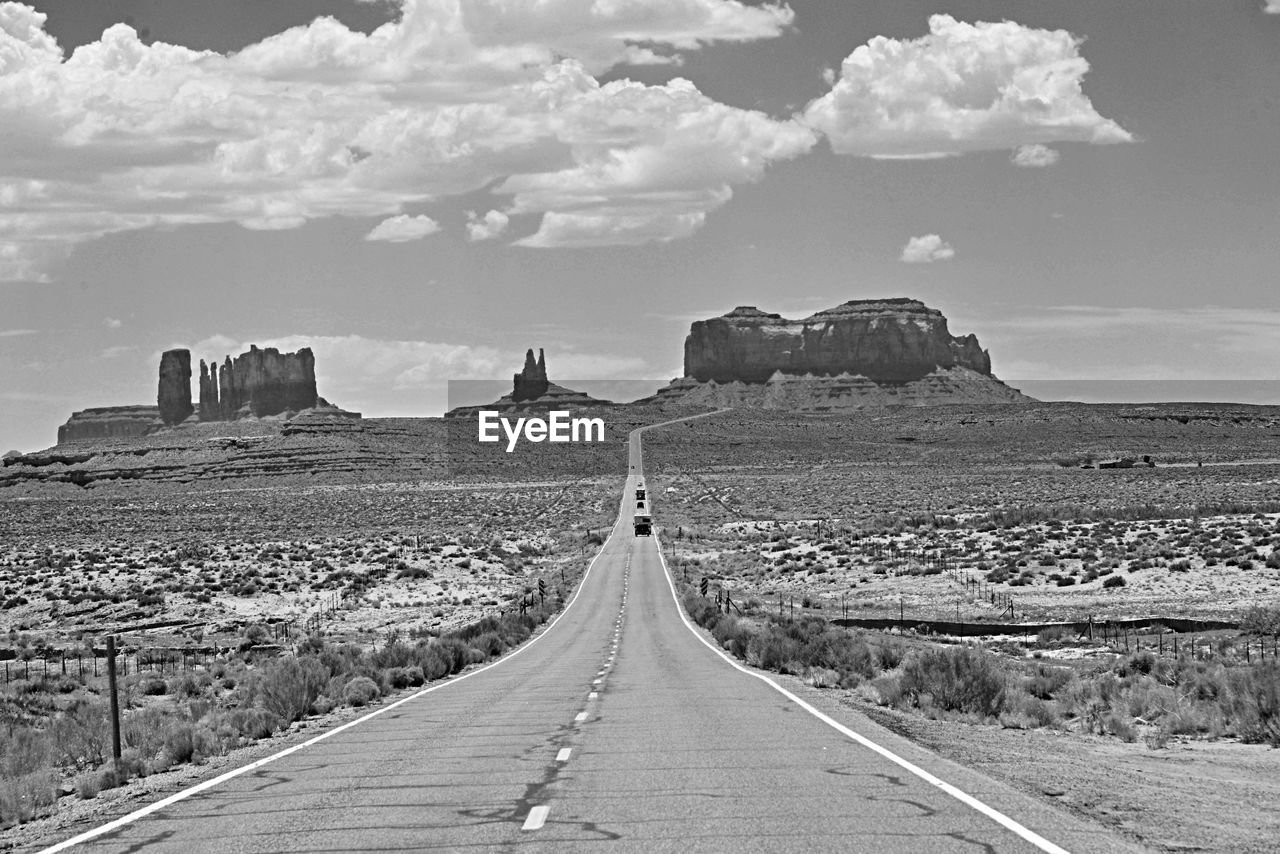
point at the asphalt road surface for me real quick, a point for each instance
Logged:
(617, 729)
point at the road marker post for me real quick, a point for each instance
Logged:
(115, 703)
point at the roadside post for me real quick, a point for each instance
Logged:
(115, 701)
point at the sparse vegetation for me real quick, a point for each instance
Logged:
(250, 690)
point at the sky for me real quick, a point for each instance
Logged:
(419, 190)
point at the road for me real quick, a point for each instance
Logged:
(617, 729)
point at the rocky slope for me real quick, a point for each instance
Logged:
(845, 391)
(313, 448)
(863, 353)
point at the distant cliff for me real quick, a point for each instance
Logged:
(861, 354)
(252, 385)
(889, 340)
(109, 422)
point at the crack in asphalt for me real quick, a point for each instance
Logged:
(983, 846)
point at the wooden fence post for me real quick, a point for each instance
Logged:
(115, 701)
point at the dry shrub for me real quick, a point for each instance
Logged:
(823, 677)
(1117, 725)
(1024, 711)
(245, 724)
(142, 730)
(187, 742)
(88, 785)
(1046, 681)
(27, 781)
(360, 691)
(1253, 703)
(958, 680)
(433, 661)
(889, 654)
(81, 735)
(405, 677)
(489, 645)
(152, 684)
(772, 649)
(289, 686)
(733, 635)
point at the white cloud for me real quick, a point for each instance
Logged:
(681, 155)
(113, 322)
(399, 229)
(1035, 156)
(611, 228)
(489, 226)
(963, 87)
(113, 352)
(1272, 7)
(927, 249)
(14, 333)
(1134, 342)
(321, 120)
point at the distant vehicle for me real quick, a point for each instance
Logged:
(640, 492)
(643, 523)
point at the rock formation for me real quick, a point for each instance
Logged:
(864, 353)
(890, 340)
(209, 406)
(109, 422)
(258, 383)
(174, 395)
(532, 381)
(530, 389)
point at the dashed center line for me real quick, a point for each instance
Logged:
(537, 818)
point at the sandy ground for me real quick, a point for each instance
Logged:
(1215, 568)
(1189, 796)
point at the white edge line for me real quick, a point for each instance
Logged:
(115, 824)
(962, 796)
(537, 817)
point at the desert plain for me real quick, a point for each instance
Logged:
(808, 525)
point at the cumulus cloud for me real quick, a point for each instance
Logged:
(113, 322)
(1272, 7)
(963, 87)
(320, 120)
(1035, 156)
(487, 227)
(927, 249)
(402, 228)
(684, 155)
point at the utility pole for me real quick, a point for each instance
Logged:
(115, 700)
